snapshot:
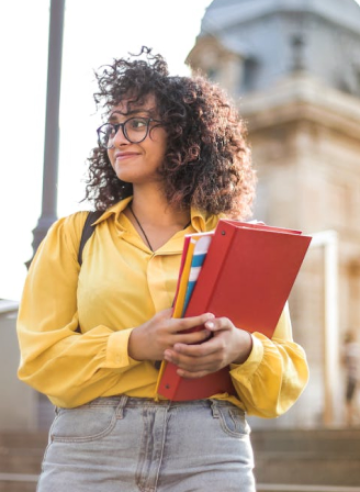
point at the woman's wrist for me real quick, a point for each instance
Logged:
(246, 345)
(135, 344)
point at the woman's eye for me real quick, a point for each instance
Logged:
(138, 124)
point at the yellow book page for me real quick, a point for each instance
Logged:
(179, 302)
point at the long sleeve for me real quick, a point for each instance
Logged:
(70, 367)
(275, 374)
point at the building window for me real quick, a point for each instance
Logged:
(212, 74)
(250, 68)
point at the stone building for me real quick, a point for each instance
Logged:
(294, 68)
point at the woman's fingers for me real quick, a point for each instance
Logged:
(190, 368)
(192, 375)
(208, 348)
(178, 325)
(192, 338)
(219, 324)
(228, 344)
(208, 355)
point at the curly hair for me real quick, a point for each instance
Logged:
(207, 160)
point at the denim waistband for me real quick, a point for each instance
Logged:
(123, 401)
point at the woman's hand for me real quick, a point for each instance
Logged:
(228, 345)
(150, 340)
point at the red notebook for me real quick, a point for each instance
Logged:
(247, 276)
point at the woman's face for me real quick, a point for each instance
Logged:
(137, 163)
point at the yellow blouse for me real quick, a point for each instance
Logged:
(120, 285)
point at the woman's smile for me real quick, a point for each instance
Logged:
(125, 155)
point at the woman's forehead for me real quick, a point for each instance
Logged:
(132, 105)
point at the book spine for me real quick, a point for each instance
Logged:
(211, 270)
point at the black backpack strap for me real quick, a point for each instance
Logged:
(87, 231)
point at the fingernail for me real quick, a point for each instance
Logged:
(209, 324)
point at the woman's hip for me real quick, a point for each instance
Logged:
(138, 444)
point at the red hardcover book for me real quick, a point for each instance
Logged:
(247, 276)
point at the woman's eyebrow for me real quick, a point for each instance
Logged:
(113, 117)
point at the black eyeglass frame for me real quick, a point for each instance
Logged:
(122, 126)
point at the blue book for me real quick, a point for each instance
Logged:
(199, 254)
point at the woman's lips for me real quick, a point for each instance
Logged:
(125, 155)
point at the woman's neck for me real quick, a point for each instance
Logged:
(155, 220)
(152, 208)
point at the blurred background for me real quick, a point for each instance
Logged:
(293, 68)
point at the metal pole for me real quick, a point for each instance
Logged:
(329, 241)
(51, 148)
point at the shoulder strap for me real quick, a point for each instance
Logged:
(87, 231)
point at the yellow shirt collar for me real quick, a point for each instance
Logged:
(200, 221)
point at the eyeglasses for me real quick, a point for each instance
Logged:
(135, 130)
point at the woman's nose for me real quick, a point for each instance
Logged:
(119, 137)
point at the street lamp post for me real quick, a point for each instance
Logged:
(51, 147)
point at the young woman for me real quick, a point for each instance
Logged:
(171, 159)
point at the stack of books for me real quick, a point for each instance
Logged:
(242, 271)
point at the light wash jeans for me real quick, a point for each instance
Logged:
(130, 444)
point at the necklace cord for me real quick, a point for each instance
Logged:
(142, 230)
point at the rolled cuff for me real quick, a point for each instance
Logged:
(117, 356)
(250, 366)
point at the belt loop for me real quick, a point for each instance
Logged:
(214, 409)
(121, 406)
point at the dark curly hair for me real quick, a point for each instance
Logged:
(207, 160)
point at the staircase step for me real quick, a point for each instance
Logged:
(23, 440)
(20, 462)
(17, 487)
(328, 457)
(308, 471)
(22, 453)
(328, 441)
(265, 487)
(17, 482)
